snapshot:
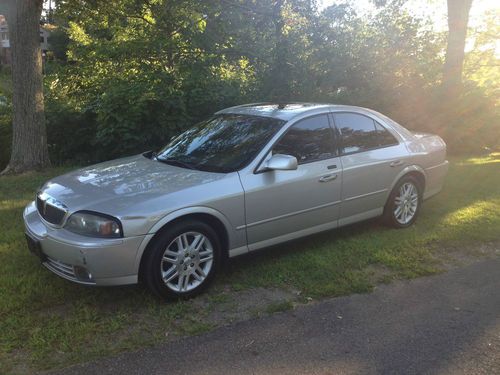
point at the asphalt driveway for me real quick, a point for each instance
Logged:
(445, 324)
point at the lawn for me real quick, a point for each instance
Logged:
(47, 322)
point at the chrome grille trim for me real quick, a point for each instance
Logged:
(62, 267)
(64, 270)
(50, 209)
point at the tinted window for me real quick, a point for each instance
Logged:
(222, 144)
(361, 133)
(308, 140)
(358, 132)
(384, 137)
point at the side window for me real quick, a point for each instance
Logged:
(384, 137)
(357, 131)
(308, 140)
(360, 133)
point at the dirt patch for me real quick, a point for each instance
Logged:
(450, 257)
(233, 306)
(379, 274)
(21, 360)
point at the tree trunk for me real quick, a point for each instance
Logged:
(280, 72)
(458, 17)
(29, 138)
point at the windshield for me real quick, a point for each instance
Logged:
(224, 143)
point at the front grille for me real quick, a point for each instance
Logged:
(67, 271)
(49, 211)
(61, 268)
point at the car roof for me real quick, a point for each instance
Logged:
(288, 111)
(285, 111)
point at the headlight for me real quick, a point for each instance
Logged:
(94, 225)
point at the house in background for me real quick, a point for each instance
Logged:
(5, 58)
(4, 42)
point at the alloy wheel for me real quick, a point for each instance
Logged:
(187, 261)
(406, 203)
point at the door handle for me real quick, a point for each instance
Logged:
(328, 177)
(396, 163)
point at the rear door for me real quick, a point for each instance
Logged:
(371, 158)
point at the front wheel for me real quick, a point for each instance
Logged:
(404, 203)
(183, 260)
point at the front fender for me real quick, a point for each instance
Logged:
(190, 210)
(233, 234)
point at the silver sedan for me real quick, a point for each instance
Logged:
(249, 177)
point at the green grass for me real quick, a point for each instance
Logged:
(47, 322)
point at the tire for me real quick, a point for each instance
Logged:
(183, 260)
(404, 202)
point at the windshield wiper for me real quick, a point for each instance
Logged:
(176, 162)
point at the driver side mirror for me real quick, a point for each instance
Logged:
(280, 162)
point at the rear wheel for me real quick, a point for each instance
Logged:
(404, 203)
(183, 260)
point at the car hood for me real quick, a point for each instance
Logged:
(122, 183)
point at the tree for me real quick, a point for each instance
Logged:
(29, 140)
(458, 18)
(280, 70)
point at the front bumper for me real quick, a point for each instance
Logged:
(84, 260)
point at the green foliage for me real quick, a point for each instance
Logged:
(130, 74)
(476, 126)
(137, 75)
(58, 40)
(5, 119)
(69, 134)
(482, 62)
(476, 113)
(5, 139)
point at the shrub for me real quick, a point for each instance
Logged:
(5, 135)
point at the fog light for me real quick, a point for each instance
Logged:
(82, 273)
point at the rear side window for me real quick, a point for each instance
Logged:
(384, 137)
(360, 133)
(308, 140)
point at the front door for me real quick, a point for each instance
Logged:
(282, 205)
